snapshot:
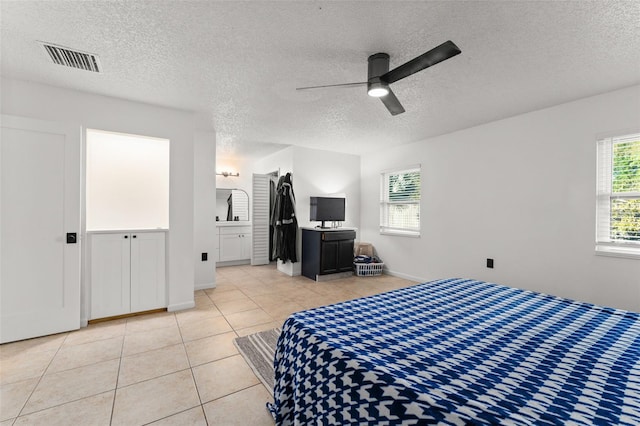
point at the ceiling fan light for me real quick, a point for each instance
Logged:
(378, 92)
(378, 89)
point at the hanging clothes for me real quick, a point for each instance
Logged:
(230, 208)
(284, 221)
(273, 193)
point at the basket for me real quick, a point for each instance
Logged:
(368, 269)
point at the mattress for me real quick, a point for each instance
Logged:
(458, 351)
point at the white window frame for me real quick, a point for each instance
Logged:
(605, 245)
(385, 203)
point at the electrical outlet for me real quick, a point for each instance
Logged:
(205, 256)
(490, 263)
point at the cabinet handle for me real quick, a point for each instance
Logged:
(135, 236)
(126, 236)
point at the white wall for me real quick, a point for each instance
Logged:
(204, 198)
(235, 165)
(105, 113)
(325, 173)
(316, 173)
(281, 161)
(519, 190)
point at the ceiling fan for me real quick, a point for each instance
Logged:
(379, 77)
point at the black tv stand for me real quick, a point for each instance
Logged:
(327, 252)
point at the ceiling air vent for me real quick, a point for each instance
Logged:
(72, 58)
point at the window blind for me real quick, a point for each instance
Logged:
(618, 193)
(400, 201)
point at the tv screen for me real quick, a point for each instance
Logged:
(327, 209)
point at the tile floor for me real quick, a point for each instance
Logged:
(173, 368)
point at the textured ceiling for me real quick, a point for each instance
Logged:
(238, 63)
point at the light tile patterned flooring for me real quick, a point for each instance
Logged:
(170, 368)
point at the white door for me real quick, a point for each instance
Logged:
(260, 220)
(148, 288)
(39, 205)
(110, 274)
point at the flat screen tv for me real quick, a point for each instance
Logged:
(326, 209)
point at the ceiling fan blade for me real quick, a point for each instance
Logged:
(436, 55)
(392, 103)
(332, 85)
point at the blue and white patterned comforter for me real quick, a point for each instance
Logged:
(458, 352)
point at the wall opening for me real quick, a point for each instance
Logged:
(127, 183)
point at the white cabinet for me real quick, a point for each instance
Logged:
(148, 284)
(110, 275)
(235, 243)
(127, 273)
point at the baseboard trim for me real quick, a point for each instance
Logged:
(181, 306)
(132, 314)
(404, 276)
(204, 286)
(233, 263)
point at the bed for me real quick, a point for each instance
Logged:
(458, 351)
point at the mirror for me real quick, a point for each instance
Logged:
(232, 205)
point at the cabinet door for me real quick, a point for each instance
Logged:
(110, 275)
(345, 255)
(246, 246)
(329, 257)
(230, 247)
(148, 288)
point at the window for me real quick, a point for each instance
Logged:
(400, 202)
(618, 197)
